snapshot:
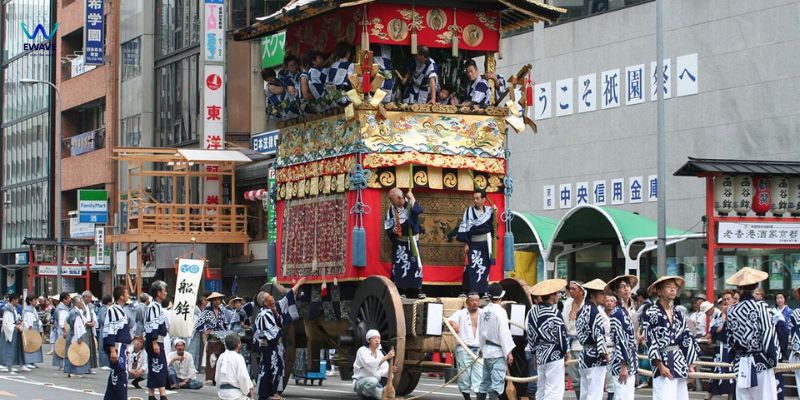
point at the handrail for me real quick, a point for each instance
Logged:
(187, 218)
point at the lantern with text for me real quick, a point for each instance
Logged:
(779, 196)
(793, 204)
(761, 198)
(723, 194)
(742, 194)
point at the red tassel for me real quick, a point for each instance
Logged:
(324, 290)
(529, 93)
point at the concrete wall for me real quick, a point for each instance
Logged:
(746, 107)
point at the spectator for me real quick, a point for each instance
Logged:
(780, 306)
(137, 362)
(181, 368)
(141, 311)
(231, 372)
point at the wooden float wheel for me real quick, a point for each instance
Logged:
(518, 292)
(377, 305)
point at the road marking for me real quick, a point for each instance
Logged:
(7, 394)
(437, 385)
(23, 380)
(328, 390)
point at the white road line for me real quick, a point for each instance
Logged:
(437, 385)
(8, 378)
(327, 390)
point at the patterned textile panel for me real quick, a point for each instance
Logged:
(314, 140)
(314, 236)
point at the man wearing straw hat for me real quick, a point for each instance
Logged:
(59, 325)
(592, 335)
(623, 358)
(752, 339)
(496, 345)
(670, 346)
(11, 337)
(547, 336)
(402, 225)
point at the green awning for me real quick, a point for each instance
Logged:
(530, 228)
(588, 223)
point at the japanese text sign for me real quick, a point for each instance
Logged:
(93, 32)
(187, 287)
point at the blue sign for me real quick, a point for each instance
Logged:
(265, 143)
(213, 285)
(93, 32)
(39, 31)
(93, 206)
(82, 143)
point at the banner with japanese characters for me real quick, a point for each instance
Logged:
(181, 320)
(758, 233)
(93, 32)
(214, 18)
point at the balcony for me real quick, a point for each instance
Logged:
(228, 222)
(74, 67)
(86, 142)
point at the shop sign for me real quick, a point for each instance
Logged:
(614, 191)
(272, 220)
(93, 31)
(52, 270)
(21, 258)
(93, 206)
(82, 143)
(214, 39)
(265, 143)
(758, 233)
(272, 49)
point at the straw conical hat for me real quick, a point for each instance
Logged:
(596, 284)
(651, 290)
(235, 299)
(78, 354)
(548, 287)
(215, 295)
(747, 276)
(631, 279)
(60, 347)
(33, 341)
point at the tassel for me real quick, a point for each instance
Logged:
(454, 29)
(500, 41)
(359, 247)
(528, 92)
(271, 261)
(365, 31)
(413, 31)
(508, 251)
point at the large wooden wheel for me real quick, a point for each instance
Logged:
(518, 291)
(377, 305)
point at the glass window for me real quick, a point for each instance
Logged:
(30, 12)
(25, 150)
(583, 8)
(131, 59)
(177, 97)
(22, 100)
(132, 131)
(177, 25)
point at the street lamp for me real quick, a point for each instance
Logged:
(59, 246)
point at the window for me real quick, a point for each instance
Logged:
(32, 13)
(177, 25)
(131, 59)
(577, 9)
(23, 100)
(26, 150)
(132, 131)
(177, 97)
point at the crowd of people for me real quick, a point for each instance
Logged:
(319, 83)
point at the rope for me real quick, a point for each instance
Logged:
(414, 308)
(782, 367)
(442, 386)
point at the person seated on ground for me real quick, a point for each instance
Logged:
(137, 362)
(370, 366)
(341, 68)
(280, 103)
(446, 96)
(231, 375)
(421, 79)
(181, 367)
(291, 73)
(382, 55)
(478, 89)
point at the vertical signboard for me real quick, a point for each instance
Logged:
(213, 109)
(187, 287)
(272, 221)
(272, 49)
(214, 24)
(93, 32)
(93, 206)
(100, 242)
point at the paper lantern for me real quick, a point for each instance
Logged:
(723, 194)
(742, 194)
(779, 195)
(761, 200)
(794, 197)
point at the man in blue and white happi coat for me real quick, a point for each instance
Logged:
(794, 335)
(547, 337)
(155, 330)
(752, 339)
(116, 337)
(623, 358)
(592, 335)
(403, 227)
(267, 333)
(477, 232)
(671, 347)
(422, 79)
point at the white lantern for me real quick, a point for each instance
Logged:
(723, 194)
(779, 196)
(742, 194)
(794, 197)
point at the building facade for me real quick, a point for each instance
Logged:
(732, 81)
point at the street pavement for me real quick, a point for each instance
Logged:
(46, 383)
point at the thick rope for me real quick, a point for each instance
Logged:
(782, 367)
(414, 308)
(442, 386)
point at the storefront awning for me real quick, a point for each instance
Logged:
(530, 229)
(591, 224)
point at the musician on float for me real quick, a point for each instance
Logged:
(267, 333)
(155, 330)
(623, 357)
(116, 337)
(592, 335)
(547, 337)
(477, 233)
(752, 339)
(403, 227)
(670, 345)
